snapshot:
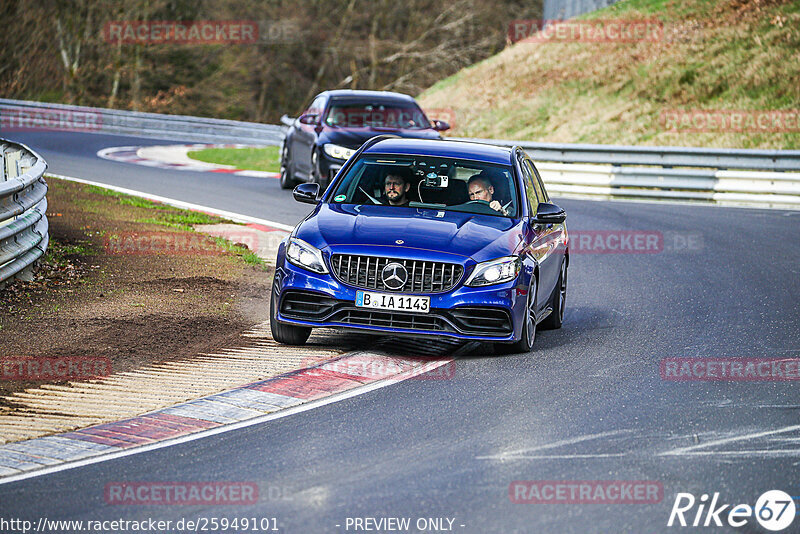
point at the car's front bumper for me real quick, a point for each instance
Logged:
(492, 313)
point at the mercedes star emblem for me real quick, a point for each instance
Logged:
(394, 276)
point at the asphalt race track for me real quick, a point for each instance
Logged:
(588, 404)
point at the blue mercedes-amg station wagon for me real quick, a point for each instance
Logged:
(426, 238)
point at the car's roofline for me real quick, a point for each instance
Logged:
(480, 152)
(356, 94)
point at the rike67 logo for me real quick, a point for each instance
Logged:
(774, 510)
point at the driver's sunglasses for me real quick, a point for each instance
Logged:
(476, 193)
(394, 184)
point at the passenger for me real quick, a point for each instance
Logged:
(481, 189)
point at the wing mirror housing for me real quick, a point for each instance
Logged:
(440, 126)
(306, 193)
(548, 213)
(309, 118)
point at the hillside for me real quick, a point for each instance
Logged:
(713, 55)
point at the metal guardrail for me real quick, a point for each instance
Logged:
(663, 156)
(729, 177)
(24, 114)
(23, 206)
(723, 187)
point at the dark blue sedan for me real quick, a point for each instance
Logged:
(426, 238)
(337, 122)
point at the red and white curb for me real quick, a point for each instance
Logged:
(331, 381)
(174, 157)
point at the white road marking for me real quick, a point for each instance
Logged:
(509, 455)
(560, 456)
(779, 453)
(723, 441)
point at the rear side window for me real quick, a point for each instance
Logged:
(544, 196)
(530, 188)
(537, 184)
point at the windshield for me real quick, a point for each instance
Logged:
(430, 182)
(376, 115)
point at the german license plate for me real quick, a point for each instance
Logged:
(383, 301)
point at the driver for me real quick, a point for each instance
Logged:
(395, 187)
(480, 189)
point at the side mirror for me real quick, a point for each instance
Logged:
(310, 118)
(440, 126)
(548, 213)
(306, 193)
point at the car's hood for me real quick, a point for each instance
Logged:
(481, 237)
(355, 137)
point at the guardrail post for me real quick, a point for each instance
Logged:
(12, 164)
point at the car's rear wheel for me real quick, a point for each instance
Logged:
(525, 343)
(285, 333)
(287, 177)
(558, 302)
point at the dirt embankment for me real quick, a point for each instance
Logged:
(128, 305)
(736, 60)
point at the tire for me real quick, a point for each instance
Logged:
(285, 333)
(316, 176)
(558, 301)
(287, 177)
(525, 343)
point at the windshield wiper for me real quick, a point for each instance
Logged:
(426, 205)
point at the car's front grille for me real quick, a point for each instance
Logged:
(482, 321)
(392, 319)
(422, 276)
(306, 305)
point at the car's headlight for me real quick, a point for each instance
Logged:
(338, 152)
(304, 255)
(495, 271)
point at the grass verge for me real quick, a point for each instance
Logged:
(254, 159)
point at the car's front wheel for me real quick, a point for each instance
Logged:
(316, 173)
(287, 177)
(525, 343)
(285, 333)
